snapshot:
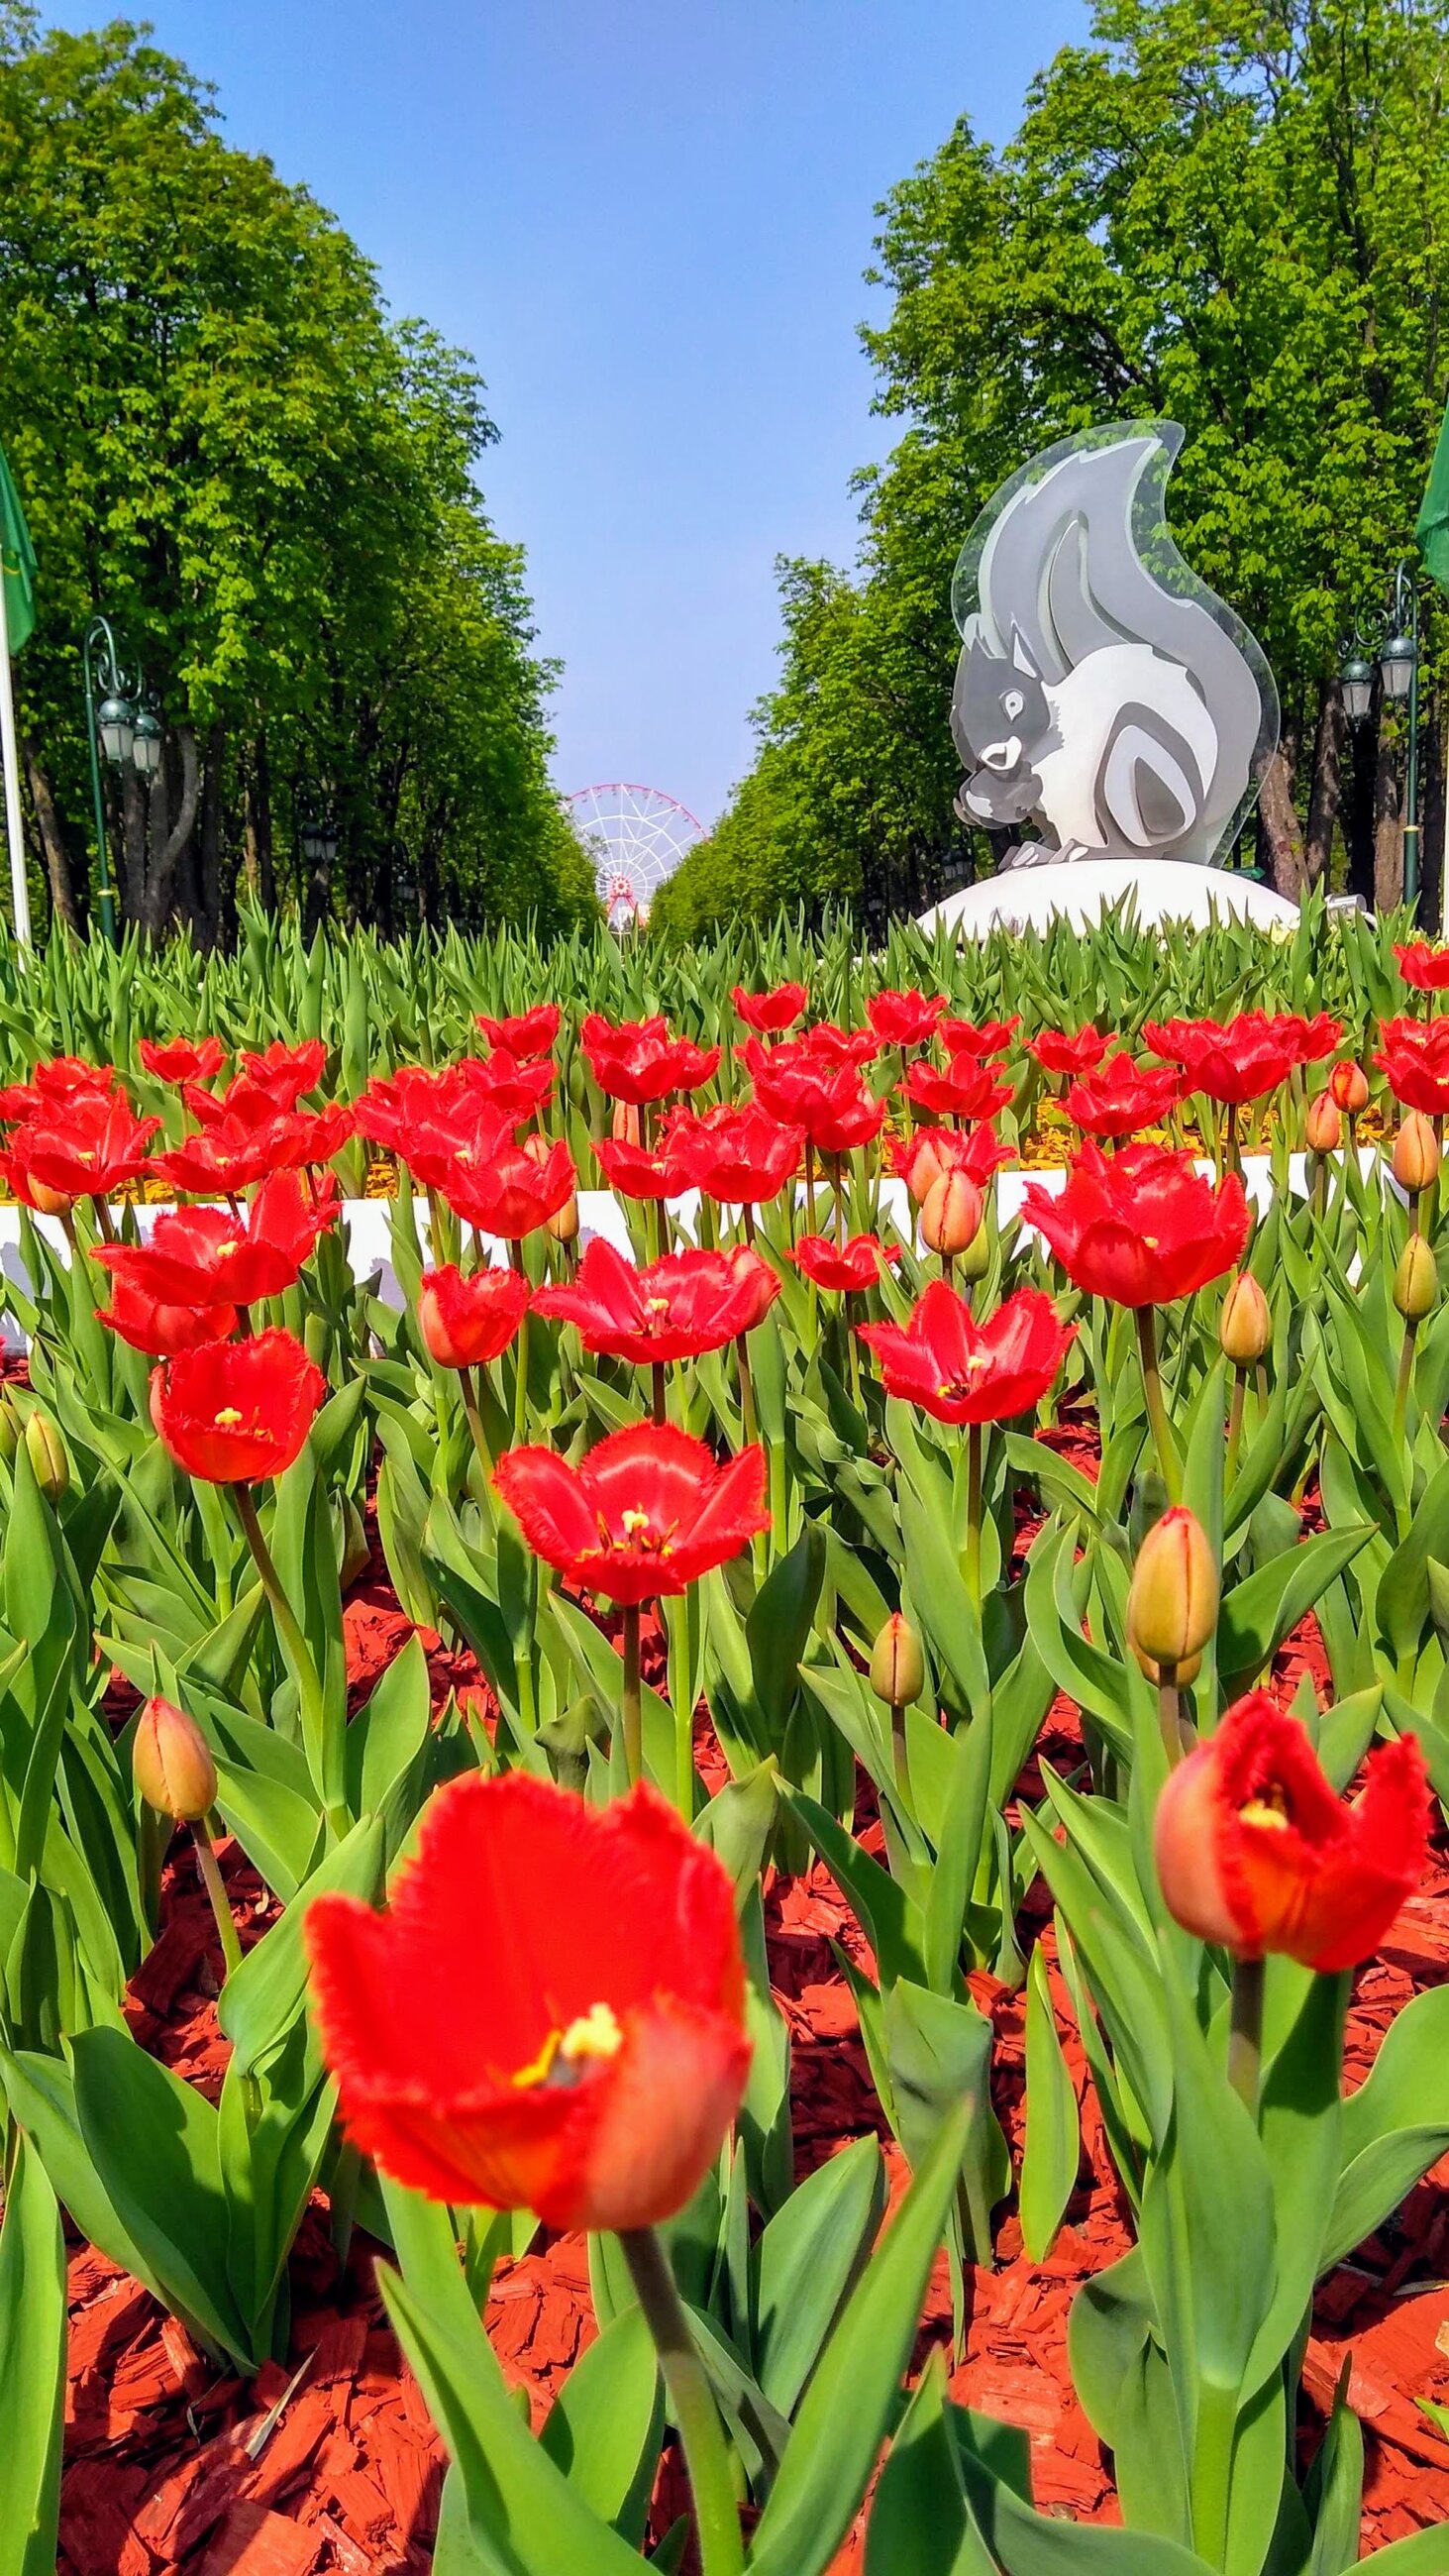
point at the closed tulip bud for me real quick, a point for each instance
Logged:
(1416, 1153)
(317, 1337)
(1348, 1088)
(975, 1261)
(1416, 1281)
(951, 1214)
(624, 1123)
(897, 1665)
(563, 1225)
(11, 1428)
(1247, 1327)
(1172, 1606)
(1323, 1130)
(47, 1457)
(354, 1554)
(171, 1762)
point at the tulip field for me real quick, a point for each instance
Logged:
(741, 1864)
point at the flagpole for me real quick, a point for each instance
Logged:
(19, 890)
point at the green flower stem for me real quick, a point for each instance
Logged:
(520, 1383)
(716, 2514)
(747, 1388)
(1235, 1424)
(1245, 2032)
(1169, 1714)
(309, 1680)
(474, 1412)
(211, 1880)
(1406, 1371)
(1156, 1410)
(973, 1512)
(657, 1380)
(633, 1717)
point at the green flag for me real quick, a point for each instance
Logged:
(17, 558)
(1432, 529)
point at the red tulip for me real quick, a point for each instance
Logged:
(965, 1037)
(1233, 1060)
(638, 1171)
(676, 1309)
(649, 1510)
(84, 1147)
(551, 2013)
(777, 1009)
(921, 1159)
(966, 1090)
(395, 1106)
(1348, 1087)
(1256, 1852)
(829, 1104)
(467, 1322)
(963, 1371)
(1313, 1038)
(904, 1019)
(1121, 1097)
(231, 1412)
(1415, 1056)
(513, 1190)
(203, 1256)
(639, 1061)
(515, 1089)
(843, 1268)
(161, 1330)
(1142, 1228)
(738, 1156)
(1424, 966)
(1075, 1053)
(182, 1059)
(288, 1072)
(527, 1034)
(823, 1050)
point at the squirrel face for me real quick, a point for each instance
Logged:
(1001, 711)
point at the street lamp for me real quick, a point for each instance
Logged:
(126, 727)
(1399, 671)
(319, 840)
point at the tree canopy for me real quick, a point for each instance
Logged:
(1232, 213)
(225, 442)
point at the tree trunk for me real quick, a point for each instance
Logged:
(1282, 830)
(1326, 790)
(170, 840)
(259, 865)
(1388, 825)
(133, 844)
(1361, 809)
(52, 840)
(1431, 812)
(206, 845)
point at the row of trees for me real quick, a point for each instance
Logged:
(1234, 213)
(224, 441)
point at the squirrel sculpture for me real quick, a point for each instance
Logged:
(1126, 717)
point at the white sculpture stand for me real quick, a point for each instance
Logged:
(1082, 891)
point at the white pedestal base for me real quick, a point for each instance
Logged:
(1080, 891)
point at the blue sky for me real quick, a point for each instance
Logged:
(648, 220)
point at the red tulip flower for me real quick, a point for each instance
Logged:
(963, 1371)
(1313, 1038)
(966, 1090)
(1415, 1056)
(967, 1037)
(648, 1512)
(395, 1106)
(638, 1171)
(920, 1160)
(1424, 966)
(830, 1104)
(1142, 1228)
(904, 1019)
(288, 1072)
(676, 1309)
(1256, 1852)
(740, 1157)
(1348, 1087)
(550, 2015)
(1232, 1060)
(843, 1268)
(1074, 1052)
(515, 1089)
(467, 1322)
(527, 1034)
(182, 1059)
(512, 1191)
(639, 1061)
(772, 1011)
(818, 1052)
(231, 1412)
(158, 1329)
(86, 1147)
(1121, 1097)
(203, 1256)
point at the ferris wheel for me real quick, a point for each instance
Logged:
(635, 837)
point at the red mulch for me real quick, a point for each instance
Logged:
(168, 2468)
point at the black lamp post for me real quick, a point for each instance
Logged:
(125, 726)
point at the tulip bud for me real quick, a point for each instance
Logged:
(975, 1261)
(897, 1665)
(1247, 1327)
(1323, 1130)
(563, 1225)
(1416, 1281)
(951, 1214)
(354, 1554)
(317, 1335)
(11, 1428)
(47, 1457)
(1416, 1153)
(1172, 1606)
(1348, 1088)
(171, 1762)
(624, 1124)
